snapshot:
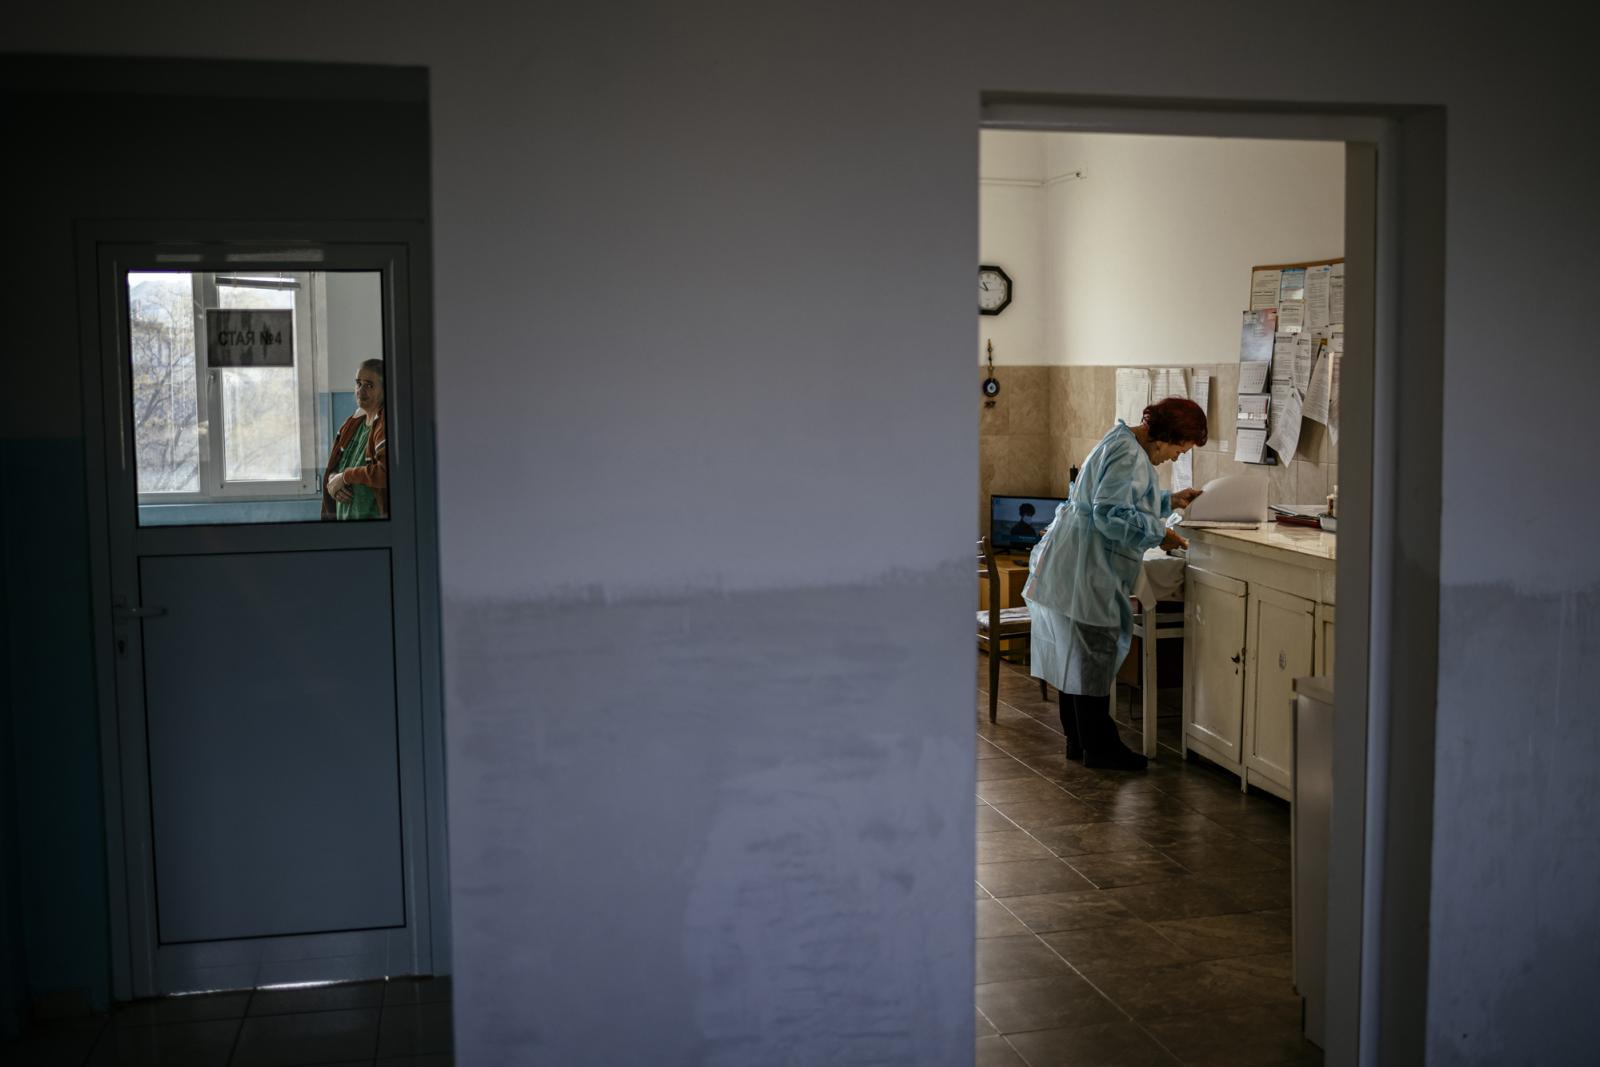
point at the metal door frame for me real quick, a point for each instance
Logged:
(401, 251)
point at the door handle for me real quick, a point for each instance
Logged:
(123, 612)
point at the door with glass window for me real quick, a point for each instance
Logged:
(263, 484)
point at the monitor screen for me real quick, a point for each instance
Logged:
(1015, 522)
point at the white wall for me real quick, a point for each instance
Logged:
(1146, 259)
(640, 225)
(355, 325)
(1011, 235)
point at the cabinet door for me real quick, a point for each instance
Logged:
(1282, 639)
(1325, 641)
(1214, 618)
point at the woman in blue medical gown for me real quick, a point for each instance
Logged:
(1083, 569)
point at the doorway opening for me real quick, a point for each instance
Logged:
(1185, 910)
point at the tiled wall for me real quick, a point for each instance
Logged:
(1047, 419)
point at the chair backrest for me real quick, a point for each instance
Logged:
(988, 569)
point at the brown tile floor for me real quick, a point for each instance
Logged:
(1125, 918)
(403, 1022)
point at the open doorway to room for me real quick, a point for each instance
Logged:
(1163, 914)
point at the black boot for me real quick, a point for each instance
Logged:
(1102, 745)
(1069, 726)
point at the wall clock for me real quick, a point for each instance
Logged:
(994, 290)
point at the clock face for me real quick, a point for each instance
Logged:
(994, 290)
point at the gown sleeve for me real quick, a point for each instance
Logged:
(1116, 516)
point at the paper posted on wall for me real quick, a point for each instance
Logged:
(1253, 411)
(1285, 435)
(1320, 388)
(1133, 394)
(1253, 377)
(1252, 446)
(1183, 471)
(1336, 293)
(1292, 284)
(1264, 289)
(1202, 392)
(1336, 355)
(1306, 347)
(1291, 316)
(1317, 297)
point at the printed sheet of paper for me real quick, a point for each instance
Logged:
(1202, 392)
(1252, 446)
(1336, 355)
(1133, 394)
(1283, 356)
(1336, 293)
(1320, 388)
(1183, 471)
(1291, 316)
(1264, 289)
(1253, 377)
(1253, 411)
(1176, 385)
(1292, 284)
(1306, 347)
(1317, 294)
(1285, 435)
(1161, 383)
(1255, 337)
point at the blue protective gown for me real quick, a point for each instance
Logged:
(1083, 569)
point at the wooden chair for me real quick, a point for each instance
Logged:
(997, 625)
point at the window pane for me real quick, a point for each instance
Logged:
(166, 414)
(260, 424)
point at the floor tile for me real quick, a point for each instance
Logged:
(1185, 897)
(994, 770)
(1076, 839)
(343, 997)
(994, 1052)
(415, 1029)
(1126, 944)
(1039, 814)
(1048, 912)
(994, 920)
(182, 1009)
(191, 1044)
(1252, 1036)
(1190, 988)
(1032, 787)
(1219, 936)
(990, 820)
(312, 1037)
(1043, 1003)
(981, 1026)
(1126, 868)
(1005, 845)
(1003, 958)
(1117, 1044)
(1185, 828)
(1028, 877)
(54, 1049)
(1227, 856)
(1256, 890)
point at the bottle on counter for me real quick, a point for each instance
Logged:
(1333, 501)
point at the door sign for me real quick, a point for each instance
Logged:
(249, 337)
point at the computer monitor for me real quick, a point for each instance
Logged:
(1016, 522)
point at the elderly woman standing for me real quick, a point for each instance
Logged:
(1083, 570)
(356, 483)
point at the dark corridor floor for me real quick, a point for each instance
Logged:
(1125, 918)
(404, 1022)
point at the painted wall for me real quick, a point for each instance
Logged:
(1012, 236)
(786, 881)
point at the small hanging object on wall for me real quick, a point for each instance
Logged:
(991, 386)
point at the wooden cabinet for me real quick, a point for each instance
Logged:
(1258, 613)
(1280, 649)
(1213, 661)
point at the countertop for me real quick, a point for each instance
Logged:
(1274, 537)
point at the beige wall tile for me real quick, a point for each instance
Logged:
(1311, 482)
(1281, 487)
(1026, 390)
(1205, 466)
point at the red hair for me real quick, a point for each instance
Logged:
(1176, 421)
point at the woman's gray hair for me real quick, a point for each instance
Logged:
(374, 365)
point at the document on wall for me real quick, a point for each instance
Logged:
(1255, 338)
(1202, 392)
(1253, 377)
(1253, 411)
(1161, 383)
(1291, 316)
(1285, 435)
(1176, 385)
(1133, 394)
(1317, 296)
(1336, 355)
(1292, 284)
(1306, 347)
(1251, 446)
(1264, 289)
(1284, 346)
(1320, 388)
(1336, 293)
(1183, 471)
